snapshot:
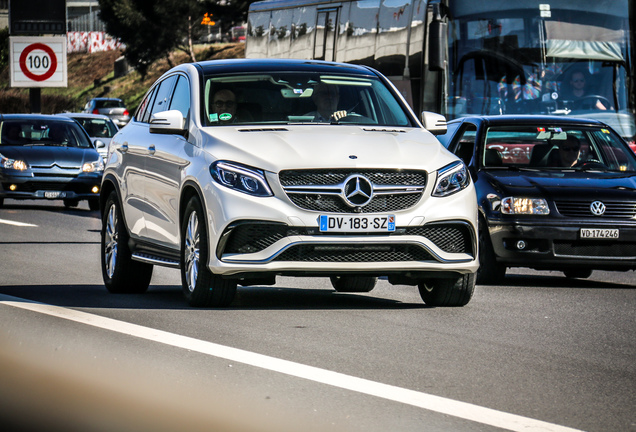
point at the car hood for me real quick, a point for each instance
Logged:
(341, 146)
(47, 155)
(563, 184)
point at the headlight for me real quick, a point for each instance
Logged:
(241, 178)
(95, 166)
(450, 179)
(524, 206)
(15, 164)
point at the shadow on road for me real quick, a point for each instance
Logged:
(557, 281)
(170, 297)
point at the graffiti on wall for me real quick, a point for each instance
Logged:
(91, 42)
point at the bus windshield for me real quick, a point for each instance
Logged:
(541, 60)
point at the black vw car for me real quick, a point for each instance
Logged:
(554, 193)
(48, 157)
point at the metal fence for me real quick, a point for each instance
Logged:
(89, 22)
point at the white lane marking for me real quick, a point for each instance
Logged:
(23, 224)
(426, 401)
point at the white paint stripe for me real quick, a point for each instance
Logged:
(23, 224)
(426, 401)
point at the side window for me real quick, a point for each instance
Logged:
(181, 98)
(143, 112)
(164, 91)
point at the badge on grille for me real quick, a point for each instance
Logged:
(597, 208)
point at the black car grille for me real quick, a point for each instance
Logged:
(354, 253)
(601, 248)
(613, 209)
(254, 237)
(306, 189)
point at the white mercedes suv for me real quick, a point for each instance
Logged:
(237, 171)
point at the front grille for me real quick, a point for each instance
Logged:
(613, 209)
(354, 253)
(322, 190)
(254, 237)
(601, 248)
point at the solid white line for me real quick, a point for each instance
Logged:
(426, 401)
(9, 222)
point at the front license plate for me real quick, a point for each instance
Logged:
(357, 223)
(54, 194)
(599, 233)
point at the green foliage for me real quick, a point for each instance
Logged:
(4, 48)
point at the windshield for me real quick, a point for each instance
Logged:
(541, 147)
(297, 98)
(542, 60)
(27, 132)
(97, 128)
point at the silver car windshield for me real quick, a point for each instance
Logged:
(551, 147)
(297, 98)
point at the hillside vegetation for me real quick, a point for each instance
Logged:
(93, 75)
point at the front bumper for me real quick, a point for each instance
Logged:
(85, 186)
(557, 245)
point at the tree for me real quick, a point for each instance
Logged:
(151, 29)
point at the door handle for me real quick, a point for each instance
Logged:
(123, 148)
(151, 149)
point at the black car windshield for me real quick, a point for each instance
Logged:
(300, 97)
(28, 132)
(556, 147)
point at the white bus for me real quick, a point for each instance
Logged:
(466, 57)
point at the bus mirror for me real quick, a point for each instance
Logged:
(434, 123)
(437, 33)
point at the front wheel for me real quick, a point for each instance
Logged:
(120, 272)
(353, 283)
(200, 286)
(448, 291)
(490, 271)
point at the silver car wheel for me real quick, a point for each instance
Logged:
(192, 251)
(110, 241)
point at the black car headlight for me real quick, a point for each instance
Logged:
(241, 178)
(15, 164)
(451, 179)
(524, 206)
(93, 167)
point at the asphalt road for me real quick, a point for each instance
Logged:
(543, 353)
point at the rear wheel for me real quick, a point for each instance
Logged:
(578, 273)
(121, 274)
(353, 283)
(448, 292)
(200, 286)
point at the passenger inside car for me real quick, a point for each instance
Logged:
(566, 154)
(326, 97)
(223, 106)
(11, 134)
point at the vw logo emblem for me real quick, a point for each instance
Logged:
(357, 191)
(597, 208)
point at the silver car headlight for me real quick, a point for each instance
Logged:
(241, 178)
(524, 206)
(15, 164)
(451, 179)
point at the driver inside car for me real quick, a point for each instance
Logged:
(326, 98)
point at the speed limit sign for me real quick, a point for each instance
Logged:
(38, 61)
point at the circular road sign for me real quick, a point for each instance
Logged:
(32, 62)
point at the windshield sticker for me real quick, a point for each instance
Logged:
(605, 131)
(225, 116)
(214, 117)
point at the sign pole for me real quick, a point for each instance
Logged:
(35, 100)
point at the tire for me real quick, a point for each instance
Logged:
(1, 202)
(353, 283)
(121, 274)
(201, 287)
(93, 204)
(70, 203)
(578, 273)
(490, 271)
(448, 292)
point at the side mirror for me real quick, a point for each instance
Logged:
(99, 144)
(168, 122)
(434, 123)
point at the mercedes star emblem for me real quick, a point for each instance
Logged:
(357, 191)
